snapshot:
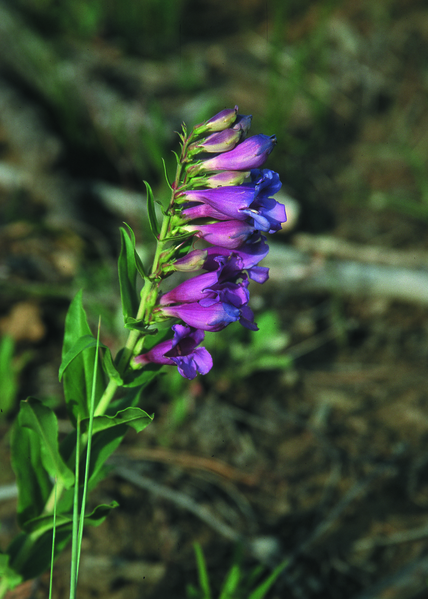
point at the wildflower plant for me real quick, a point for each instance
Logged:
(212, 230)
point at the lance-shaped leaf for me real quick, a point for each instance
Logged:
(38, 547)
(129, 264)
(81, 344)
(34, 485)
(8, 576)
(135, 417)
(38, 526)
(151, 212)
(110, 368)
(77, 377)
(42, 421)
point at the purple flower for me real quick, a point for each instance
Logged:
(213, 317)
(182, 351)
(226, 283)
(208, 318)
(249, 254)
(249, 154)
(248, 202)
(243, 123)
(228, 234)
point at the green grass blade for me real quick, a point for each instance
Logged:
(202, 571)
(73, 573)
(88, 451)
(53, 542)
(263, 588)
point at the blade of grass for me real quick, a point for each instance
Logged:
(88, 449)
(78, 521)
(53, 541)
(202, 571)
(73, 573)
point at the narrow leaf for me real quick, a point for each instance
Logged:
(81, 344)
(34, 485)
(134, 417)
(42, 421)
(38, 526)
(77, 378)
(110, 368)
(8, 576)
(151, 212)
(127, 270)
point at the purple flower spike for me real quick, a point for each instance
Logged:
(208, 318)
(249, 154)
(228, 234)
(182, 351)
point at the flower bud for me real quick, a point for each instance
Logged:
(222, 120)
(223, 141)
(221, 179)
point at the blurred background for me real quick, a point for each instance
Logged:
(307, 439)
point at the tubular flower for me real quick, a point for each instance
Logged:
(229, 234)
(181, 351)
(249, 154)
(250, 202)
(213, 317)
(208, 318)
(226, 284)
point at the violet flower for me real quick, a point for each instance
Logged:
(227, 283)
(248, 202)
(181, 351)
(208, 318)
(249, 154)
(213, 317)
(229, 234)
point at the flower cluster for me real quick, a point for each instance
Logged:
(225, 200)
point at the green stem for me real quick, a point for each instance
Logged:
(4, 587)
(148, 299)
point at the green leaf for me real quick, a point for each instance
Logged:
(81, 344)
(110, 368)
(135, 325)
(8, 576)
(134, 417)
(8, 375)
(77, 377)
(151, 212)
(43, 422)
(34, 485)
(202, 571)
(231, 583)
(263, 588)
(127, 269)
(38, 546)
(137, 379)
(38, 526)
(104, 444)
